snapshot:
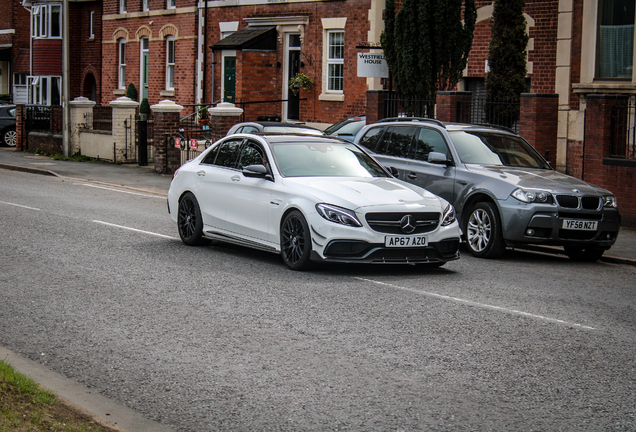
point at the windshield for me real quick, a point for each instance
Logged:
(325, 160)
(491, 148)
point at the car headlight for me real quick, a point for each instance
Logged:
(531, 196)
(610, 201)
(449, 215)
(338, 215)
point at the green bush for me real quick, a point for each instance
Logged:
(132, 92)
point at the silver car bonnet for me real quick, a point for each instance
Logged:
(534, 178)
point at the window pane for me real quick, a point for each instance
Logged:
(171, 51)
(336, 45)
(335, 77)
(228, 153)
(170, 77)
(615, 39)
(294, 40)
(55, 21)
(55, 91)
(399, 141)
(429, 141)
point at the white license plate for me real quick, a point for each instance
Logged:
(405, 241)
(580, 225)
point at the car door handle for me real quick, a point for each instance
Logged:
(412, 176)
(463, 182)
(201, 173)
(236, 178)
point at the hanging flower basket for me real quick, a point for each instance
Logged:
(300, 81)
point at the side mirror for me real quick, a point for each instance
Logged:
(394, 171)
(438, 158)
(257, 171)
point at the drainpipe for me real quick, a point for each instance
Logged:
(65, 82)
(205, 48)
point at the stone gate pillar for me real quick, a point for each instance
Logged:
(222, 118)
(124, 110)
(80, 117)
(166, 125)
(454, 106)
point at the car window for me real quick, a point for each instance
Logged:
(488, 148)
(12, 112)
(252, 154)
(351, 128)
(397, 141)
(371, 138)
(249, 129)
(210, 157)
(325, 160)
(228, 153)
(429, 140)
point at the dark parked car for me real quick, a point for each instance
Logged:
(7, 125)
(347, 128)
(504, 192)
(273, 127)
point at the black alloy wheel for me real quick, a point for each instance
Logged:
(483, 231)
(189, 220)
(295, 241)
(583, 253)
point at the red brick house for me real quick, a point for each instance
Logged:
(14, 49)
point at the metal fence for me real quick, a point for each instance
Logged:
(623, 131)
(498, 112)
(408, 107)
(43, 118)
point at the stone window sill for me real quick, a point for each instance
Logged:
(333, 97)
(166, 93)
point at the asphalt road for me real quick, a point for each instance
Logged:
(96, 285)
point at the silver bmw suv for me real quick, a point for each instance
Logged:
(504, 192)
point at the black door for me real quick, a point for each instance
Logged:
(293, 104)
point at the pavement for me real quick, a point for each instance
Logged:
(146, 179)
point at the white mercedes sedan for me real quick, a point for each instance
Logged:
(310, 199)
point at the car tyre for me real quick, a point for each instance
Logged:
(189, 220)
(295, 241)
(483, 231)
(583, 253)
(9, 138)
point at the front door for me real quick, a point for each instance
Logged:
(229, 79)
(293, 67)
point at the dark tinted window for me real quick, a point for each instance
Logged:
(249, 129)
(397, 141)
(429, 140)
(252, 154)
(371, 138)
(228, 153)
(211, 156)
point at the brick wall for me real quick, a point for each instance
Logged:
(181, 25)
(543, 56)
(539, 123)
(313, 109)
(85, 52)
(616, 175)
(47, 57)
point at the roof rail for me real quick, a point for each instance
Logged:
(413, 119)
(496, 126)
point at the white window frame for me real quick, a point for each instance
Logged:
(171, 4)
(121, 63)
(145, 5)
(334, 61)
(91, 25)
(42, 21)
(331, 26)
(123, 6)
(171, 51)
(40, 89)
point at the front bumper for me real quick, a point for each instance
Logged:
(356, 251)
(542, 224)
